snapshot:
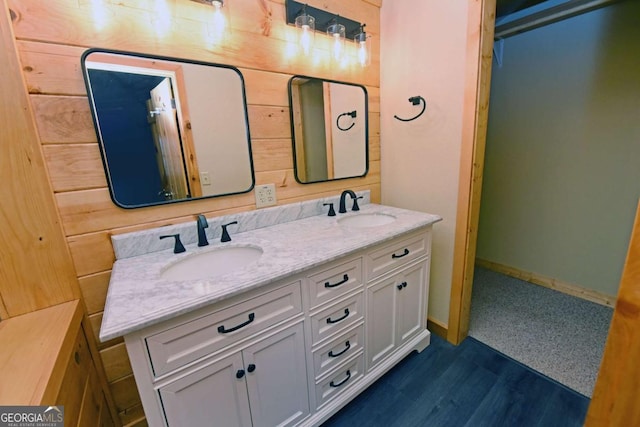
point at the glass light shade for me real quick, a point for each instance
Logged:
(220, 20)
(307, 25)
(338, 35)
(363, 49)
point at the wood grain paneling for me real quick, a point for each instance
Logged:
(51, 68)
(92, 253)
(94, 291)
(74, 166)
(272, 154)
(125, 393)
(106, 24)
(116, 362)
(35, 265)
(51, 37)
(63, 119)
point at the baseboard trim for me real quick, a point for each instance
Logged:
(549, 282)
(437, 327)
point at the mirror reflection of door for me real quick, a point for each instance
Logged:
(323, 149)
(310, 130)
(158, 151)
(166, 136)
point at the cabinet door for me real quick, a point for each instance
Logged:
(381, 320)
(212, 395)
(410, 302)
(277, 378)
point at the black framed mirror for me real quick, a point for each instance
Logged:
(330, 129)
(169, 129)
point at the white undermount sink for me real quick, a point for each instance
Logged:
(366, 220)
(212, 263)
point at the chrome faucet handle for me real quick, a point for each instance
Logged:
(178, 247)
(225, 234)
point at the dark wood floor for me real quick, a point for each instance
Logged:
(468, 385)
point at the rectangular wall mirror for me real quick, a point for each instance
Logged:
(169, 129)
(329, 124)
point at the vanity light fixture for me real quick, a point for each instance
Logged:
(307, 25)
(337, 32)
(363, 47)
(299, 14)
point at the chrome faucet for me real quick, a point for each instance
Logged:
(342, 208)
(202, 234)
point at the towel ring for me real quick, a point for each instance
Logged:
(414, 100)
(352, 114)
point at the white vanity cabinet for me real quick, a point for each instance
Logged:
(261, 385)
(397, 294)
(291, 352)
(395, 311)
(238, 363)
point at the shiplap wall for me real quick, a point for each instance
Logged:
(50, 38)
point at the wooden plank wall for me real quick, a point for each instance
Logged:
(51, 36)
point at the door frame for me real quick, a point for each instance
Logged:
(480, 33)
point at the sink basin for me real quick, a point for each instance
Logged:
(216, 262)
(366, 220)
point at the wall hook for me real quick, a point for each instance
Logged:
(414, 100)
(352, 114)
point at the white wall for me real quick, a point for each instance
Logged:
(219, 129)
(423, 52)
(562, 167)
(348, 147)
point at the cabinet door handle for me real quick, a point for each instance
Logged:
(251, 368)
(405, 253)
(332, 384)
(345, 279)
(346, 314)
(346, 348)
(399, 286)
(222, 330)
(239, 373)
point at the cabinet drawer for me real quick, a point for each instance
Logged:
(190, 341)
(337, 351)
(334, 282)
(336, 318)
(397, 253)
(336, 383)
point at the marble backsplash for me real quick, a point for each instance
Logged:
(137, 243)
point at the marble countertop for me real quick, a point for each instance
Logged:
(138, 297)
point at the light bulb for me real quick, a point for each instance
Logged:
(337, 46)
(362, 53)
(307, 25)
(305, 39)
(219, 21)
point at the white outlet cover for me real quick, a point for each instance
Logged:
(265, 195)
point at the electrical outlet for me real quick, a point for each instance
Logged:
(205, 178)
(265, 195)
